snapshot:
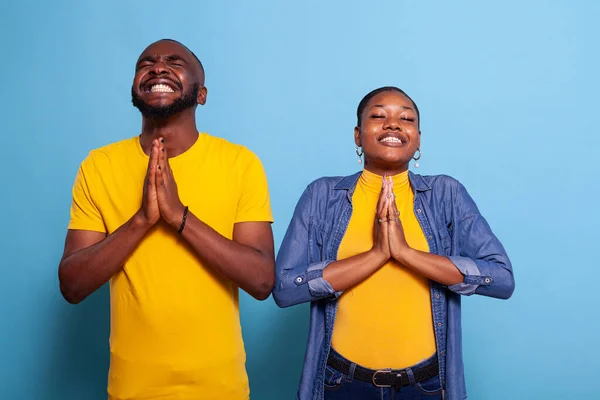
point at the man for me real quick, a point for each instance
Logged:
(177, 221)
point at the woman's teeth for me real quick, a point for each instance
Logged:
(391, 139)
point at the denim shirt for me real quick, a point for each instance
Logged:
(453, 227)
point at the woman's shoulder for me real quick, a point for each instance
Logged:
(334, 182)
(427, 182)
(444, 189)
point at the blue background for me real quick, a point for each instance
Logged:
(508, 93)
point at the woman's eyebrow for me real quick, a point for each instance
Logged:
(383, 105)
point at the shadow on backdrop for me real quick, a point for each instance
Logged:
(274, 357)
(78, 360)
(79, 356)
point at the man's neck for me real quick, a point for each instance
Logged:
(178, 131)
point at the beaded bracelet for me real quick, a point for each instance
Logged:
(185, 212)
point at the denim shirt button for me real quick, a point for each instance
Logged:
(440, 324)
(419, 210)
(430, 237)
(487, 280)
(437, 295)
(299, 279)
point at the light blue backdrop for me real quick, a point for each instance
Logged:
(508, 93)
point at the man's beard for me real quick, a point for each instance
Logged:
(188, 100)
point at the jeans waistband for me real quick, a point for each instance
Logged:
(419, 372)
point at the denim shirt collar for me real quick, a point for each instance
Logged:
(349, 182)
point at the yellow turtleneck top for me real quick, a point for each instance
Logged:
(386, 320)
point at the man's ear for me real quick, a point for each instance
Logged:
(201, 99)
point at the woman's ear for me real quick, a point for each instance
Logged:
(357, 140)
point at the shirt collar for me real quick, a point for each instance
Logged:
(349, 182)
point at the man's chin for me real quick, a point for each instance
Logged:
(157, 104)
(164, 107)
(158, 111)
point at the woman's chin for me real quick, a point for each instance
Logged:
(391, 163)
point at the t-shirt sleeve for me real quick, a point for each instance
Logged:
(254, 203)
(85, 214)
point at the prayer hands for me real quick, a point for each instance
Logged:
(170, 206)
(149, 213)
(160, 197)
(387, 223)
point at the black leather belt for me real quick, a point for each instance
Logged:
(385, 377)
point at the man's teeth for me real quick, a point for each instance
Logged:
(391, 139)
(161, 88)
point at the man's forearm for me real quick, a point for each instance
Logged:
(84, 271)
(247, 267)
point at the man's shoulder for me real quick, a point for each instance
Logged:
(226, 149)
(125, 147)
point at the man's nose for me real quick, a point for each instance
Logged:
(159, 68)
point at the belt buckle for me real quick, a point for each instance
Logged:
(381, 371)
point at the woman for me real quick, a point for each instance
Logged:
(384, 256)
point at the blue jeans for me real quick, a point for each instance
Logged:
(339, 386)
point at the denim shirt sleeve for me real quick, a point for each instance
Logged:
(297, 280)
(482, 258)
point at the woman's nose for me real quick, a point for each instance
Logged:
(392, 123)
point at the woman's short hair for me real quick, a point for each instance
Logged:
(372, 93)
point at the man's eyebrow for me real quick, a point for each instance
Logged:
(174, 57)
(146, 58)
(170, 57)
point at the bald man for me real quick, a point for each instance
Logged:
(177, 221)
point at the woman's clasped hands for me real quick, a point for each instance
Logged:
(388, 233)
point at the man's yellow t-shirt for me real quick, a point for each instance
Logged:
(175, 329)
